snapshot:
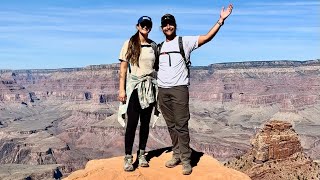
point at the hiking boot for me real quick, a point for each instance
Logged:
(142, 159)
(186, 169)
(128, 161)
(172, 162)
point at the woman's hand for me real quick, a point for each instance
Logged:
(225, 13)
(122, 96)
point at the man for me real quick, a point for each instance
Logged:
(173, 81)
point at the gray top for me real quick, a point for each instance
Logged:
(177, 73)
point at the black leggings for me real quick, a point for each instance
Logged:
(134, 112)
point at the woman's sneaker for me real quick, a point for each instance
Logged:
(142, 159)
(128, 163)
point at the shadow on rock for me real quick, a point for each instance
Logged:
(195, 156)
(152, 154)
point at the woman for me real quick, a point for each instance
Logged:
(173, 81)
(137, 89)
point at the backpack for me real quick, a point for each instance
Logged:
(181, 51)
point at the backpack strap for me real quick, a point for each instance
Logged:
(158, 50)
(181, 49)
(156, 54)
(160, 46)
(187, 61)
(129, 67)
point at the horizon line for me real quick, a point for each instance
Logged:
(227, 62)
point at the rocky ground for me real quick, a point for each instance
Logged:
(204, 168)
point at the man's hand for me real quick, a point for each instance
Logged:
(226, 12)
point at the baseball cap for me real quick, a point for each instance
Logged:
(144, 19)
(168, 19)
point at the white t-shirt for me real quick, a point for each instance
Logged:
(146, 60)
(177, 73)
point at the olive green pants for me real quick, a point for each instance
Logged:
(174, 105)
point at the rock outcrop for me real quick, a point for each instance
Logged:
(276, 154)
(205, 168)
(277, 140)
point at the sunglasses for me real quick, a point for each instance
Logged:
(165, 23)
(147, 24)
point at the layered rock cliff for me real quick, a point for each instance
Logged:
(96, 83)
(293, 84)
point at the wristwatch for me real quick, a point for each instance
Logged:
(218, 22)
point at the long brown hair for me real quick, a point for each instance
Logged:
(134, 48)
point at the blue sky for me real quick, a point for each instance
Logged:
(75, 33)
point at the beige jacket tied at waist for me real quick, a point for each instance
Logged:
(147, 92)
